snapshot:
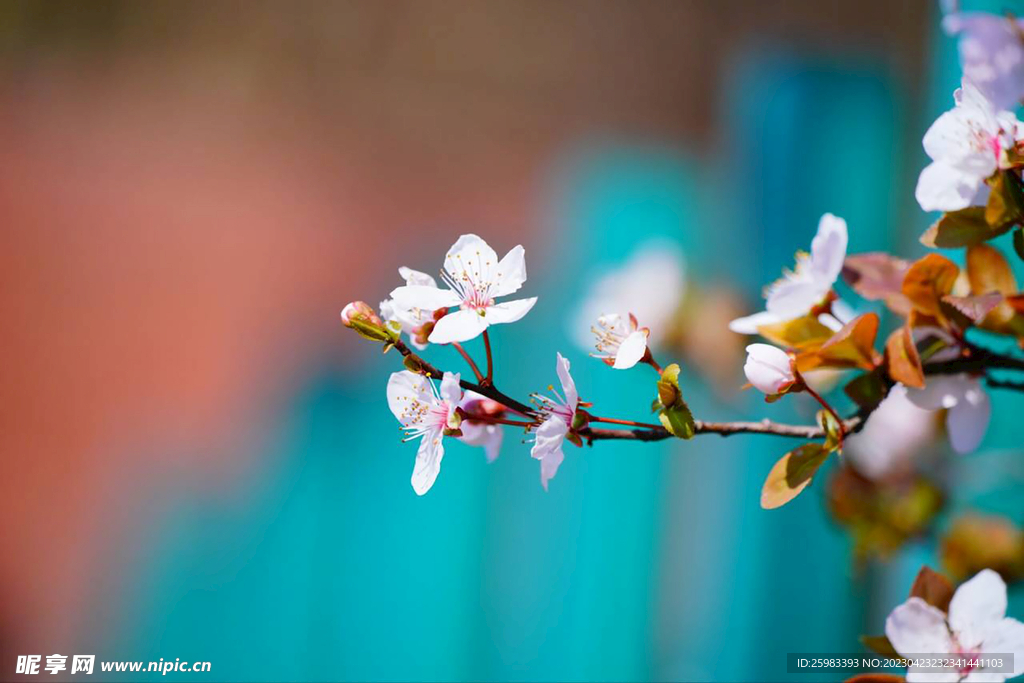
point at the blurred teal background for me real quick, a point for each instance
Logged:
(309, 557)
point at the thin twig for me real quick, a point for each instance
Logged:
(489, 379)
(469, 360)
(628, 423)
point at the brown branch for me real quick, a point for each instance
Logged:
(489, 391)
(722, 429)
(978, 361)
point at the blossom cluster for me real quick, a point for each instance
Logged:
(820, 325)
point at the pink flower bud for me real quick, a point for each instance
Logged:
(361, 311)
(769, 368)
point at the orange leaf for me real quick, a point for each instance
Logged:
(927, 281)
(989, 272)
(791, 475)
(902, 360)
(850, 347)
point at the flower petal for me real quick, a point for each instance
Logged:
(915, 627)
(940, 391)
(631, 350)
(828, 249)
(941, 187)
(795, 295)
(424, 297)
(750, 323)
(428, 461)
(548, 447)
(572, 398)
(768, 368)
(511, 272)
(415, 277)
(489, 436)
(407, 392)
(1007, 637)
(460, 326)
(451, 392)
(968, 420)
(471, 260)
(509, 311)
(978, 604)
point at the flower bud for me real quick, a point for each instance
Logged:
(483, 407)
(769, 368)
(360, 317)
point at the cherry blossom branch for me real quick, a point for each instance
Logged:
(489, 390)
(1003, 384)
(722, 429)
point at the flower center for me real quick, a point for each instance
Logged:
(471, 282)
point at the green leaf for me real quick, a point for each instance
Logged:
(879, 644)
(675, 415)
(832, 429)
(1018, 243)
(679, 420)
(791, 475)
(867, 390)
(959, 229)
(1005, 201)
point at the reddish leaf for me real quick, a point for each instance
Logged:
(933, 588)
(902, 360)
(974, 307)
(878, 276)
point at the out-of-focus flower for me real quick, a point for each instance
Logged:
(893, 434)
(976, 626)
(800, 291)
(967, 144)
(620, 342)
(769, 368)
(557, 418)
(425, 414)
(968, 407)
(414, 321)
(991, 54)
(650, 285)
(975, 542)
(478, 432)
(475, 277)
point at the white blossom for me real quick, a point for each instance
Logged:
(620, 342)
(769, 368)
(976, 626)
(414, 321)
(425, 413)
(475, 278)
(650, 286)
(894, 433)
(557, 416)
(967, 144)
(799, 291)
